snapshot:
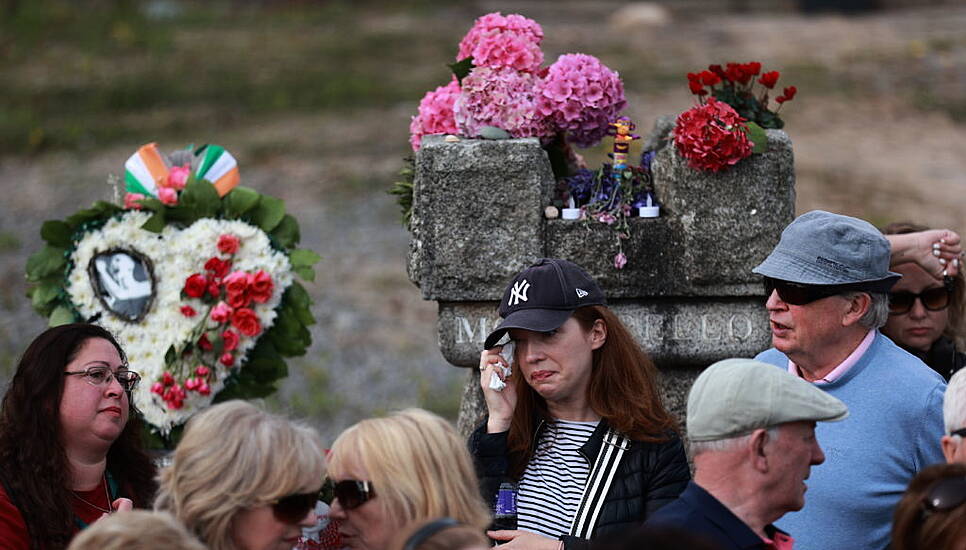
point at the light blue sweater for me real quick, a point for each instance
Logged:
(893, 430)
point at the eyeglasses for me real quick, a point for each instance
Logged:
(293, 508)
(960, 432)
(100, 376)
(948, 493)
(353, 493)
(798, 294)
(933, 299)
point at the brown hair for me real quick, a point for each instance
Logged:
(913, 529)
(136, 530)
(956, 327)
(624, 391)
(33, 460)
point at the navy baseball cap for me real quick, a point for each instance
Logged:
(543, 296)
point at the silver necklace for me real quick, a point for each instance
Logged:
(109, 510)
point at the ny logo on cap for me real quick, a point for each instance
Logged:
(519, 292)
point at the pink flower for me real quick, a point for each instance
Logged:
(218, 267)
(236, 282)
(221, 312)
(178, 177)
(157, 388)
(131, 201)
(204, 343)
(228, 244)
(620, 260)
(246, 322)
(712, 136)
(204, 389)
(202, 370)
(188, 311)
(168, 196)
(496, 41)
(581, 97)
(230, 338)
(227, 359)
(167, 379)
(501, 97)
(435, 114)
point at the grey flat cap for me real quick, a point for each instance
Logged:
(736, 396)
(822, 248)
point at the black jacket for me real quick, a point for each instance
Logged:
(942, 357)
(650, 475)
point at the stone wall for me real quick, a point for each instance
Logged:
(687, 292)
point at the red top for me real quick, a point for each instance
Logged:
(13, 530)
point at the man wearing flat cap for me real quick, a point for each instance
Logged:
(827, 283)
(752, 433)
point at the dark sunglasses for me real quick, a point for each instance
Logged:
(353, 493)
(960, 432)
(934, 299)
(293, 508)
(946, 494)
(798, 294)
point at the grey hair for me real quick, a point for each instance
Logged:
(878, 312)
(954, 402)
(728, 444)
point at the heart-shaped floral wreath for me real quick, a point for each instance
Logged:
(194, 275)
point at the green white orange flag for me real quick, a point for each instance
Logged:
(144, 170)
(216, 165)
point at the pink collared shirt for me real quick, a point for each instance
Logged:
(780, 541)
(844, 366)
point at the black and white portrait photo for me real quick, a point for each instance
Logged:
(124, 282)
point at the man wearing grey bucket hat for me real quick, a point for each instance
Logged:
(753, 444)
(827, 283)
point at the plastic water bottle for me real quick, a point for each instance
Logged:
(505, 513)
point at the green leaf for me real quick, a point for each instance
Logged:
(100, 210)
(305, 273)
(170, 355)
(303, 257)
(757, 136)
(268, 213)
(155, 223)
(202, 198)
(62, 315)
(57, 233)
(152, 204)
(47, 261)
(287, 232)
(43, 294)
(239, 201)
(462, 68)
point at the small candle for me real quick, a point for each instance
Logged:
(649, 210)
(571, 212)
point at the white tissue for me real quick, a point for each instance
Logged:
(507, 353)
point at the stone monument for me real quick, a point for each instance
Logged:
(687, 292)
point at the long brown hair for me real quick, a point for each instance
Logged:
(623, 390)
(915, 529)
(33, 460)
(956, 326)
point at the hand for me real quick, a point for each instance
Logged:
(937, 251)
(524, 540)
(499, 404)
(120, 505)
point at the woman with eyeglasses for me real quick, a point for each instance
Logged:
(932, 512)
(391, 472)
(70, 447)
(244, 479)
(575, 421)
(927, 314)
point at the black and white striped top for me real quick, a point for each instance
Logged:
(550, 491)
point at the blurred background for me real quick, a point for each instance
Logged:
(314, 99)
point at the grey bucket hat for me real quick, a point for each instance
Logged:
(737, 396)
(822, 248)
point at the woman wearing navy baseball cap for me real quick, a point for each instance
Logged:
(576, 423)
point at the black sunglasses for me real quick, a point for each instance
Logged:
(960, 432)
(292, 508)
(798, 294)
(933, 299)
(353, 493)
(946, 494)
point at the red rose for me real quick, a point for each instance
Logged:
(227, 359)
(218, 267)
(716, 69)
(261, 286)
(214, 289)
(204, 343)
(697, 88)
(188, 311)
(230, 338)
(242, 299)
(221, 312)
(236, 282)
(246, 322)
(769, 79)
(693, 77)
(228, 244)
(167, 379)
(790, 92)
(752, 68)
(195, 285)
(202, 370)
